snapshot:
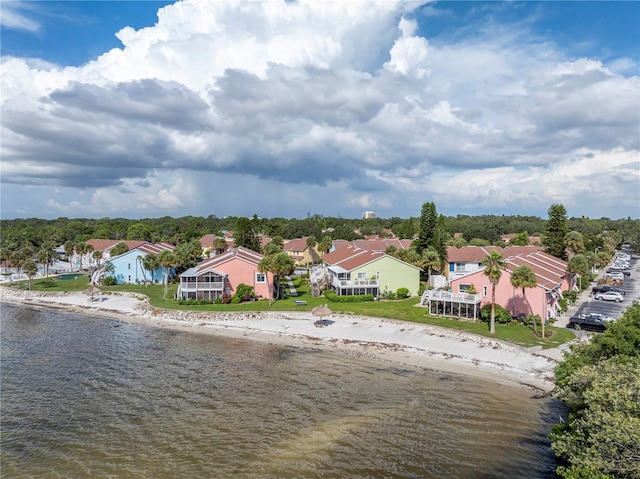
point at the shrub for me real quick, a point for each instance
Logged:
(334, 298)
(402, 293)
(502, 315)
(570, 296)
(109, 281)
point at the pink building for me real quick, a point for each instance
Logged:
(220, 276)
(552, 280)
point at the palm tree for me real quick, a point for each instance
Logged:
(97, 256)
(574, 242)
(325, 244)
(524, 277)
(30, 269)
(167, 260)
(149, 263)
(69, 248)
(430, 260)
(493, 266)
(279, 264)
(220, 245)
(312, 243)
(44, 257)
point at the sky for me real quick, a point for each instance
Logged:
(141, 109)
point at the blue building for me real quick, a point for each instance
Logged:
(128, 266)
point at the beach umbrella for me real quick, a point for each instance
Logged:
(91, 290)
(321, 311)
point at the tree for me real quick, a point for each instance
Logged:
(325, 244)
(220, 245)
(574, 242)
(167, 260)
(427, 227)
(97, 257)
(430, 260)
(556, 231)
(311, 244)
(30, 269)
(579, 266)
(120, 248)
(109, 270)
(45, 255)
(521, 239)
(279, 264)
(524, 277)
(493, 265)
(149, 263)
(69, 248)
(245, 234)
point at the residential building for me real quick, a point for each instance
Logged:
(354, 271)
(552, 279)
(219, 276)
(468, 259)
(301, 253)
(128, 266)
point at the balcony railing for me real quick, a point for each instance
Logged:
(356, 282)
(202, 285)
(433, 294)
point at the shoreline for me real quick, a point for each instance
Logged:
(412, 344)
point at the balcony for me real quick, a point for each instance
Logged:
(450, 296)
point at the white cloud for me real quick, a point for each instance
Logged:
(14, 15)
(325, 105)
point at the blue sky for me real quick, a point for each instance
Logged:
(280, 109)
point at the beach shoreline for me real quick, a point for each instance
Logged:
(401, 342)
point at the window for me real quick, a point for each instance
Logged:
(362, 275)
(484, 291)
(128, 265)
(460, 266)
(261, 278)
(463, 288)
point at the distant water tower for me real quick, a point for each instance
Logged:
(367, 215)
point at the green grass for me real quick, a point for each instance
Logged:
(405, 310)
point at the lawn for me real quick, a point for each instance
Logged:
(406, 310)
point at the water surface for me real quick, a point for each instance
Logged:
(87, 397)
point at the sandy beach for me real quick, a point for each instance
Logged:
(402, 342)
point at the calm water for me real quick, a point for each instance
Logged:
(96, 398)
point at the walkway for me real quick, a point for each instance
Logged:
(292, 288)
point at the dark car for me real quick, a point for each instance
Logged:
(587, 323)
(605, 288)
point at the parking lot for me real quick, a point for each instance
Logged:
(631, 287)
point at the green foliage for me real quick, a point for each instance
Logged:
(402, 293)
(600, 384)
(117, 250)
(334, 298)
(236, 300)
(195, 302)
(503, 316)
(244, 292)
(109, 281)
(556, 231)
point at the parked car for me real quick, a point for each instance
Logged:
(614, 276)
(587, 323)
(603, 288)
(593, 316)
(619, 271)
(610, 296)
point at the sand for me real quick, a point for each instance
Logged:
(402, 342)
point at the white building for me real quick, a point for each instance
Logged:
(367, 215)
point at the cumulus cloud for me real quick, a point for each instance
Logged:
(347, 102)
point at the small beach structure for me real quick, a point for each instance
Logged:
(322, 311)
(91, 291)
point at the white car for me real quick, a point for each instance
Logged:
(616, 276)
(610, 296)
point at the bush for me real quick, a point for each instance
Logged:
(502, 315)
(402, 293)
(109, 281)
(236, 300)
(334, 298)
(194, 302)
(570, 296)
